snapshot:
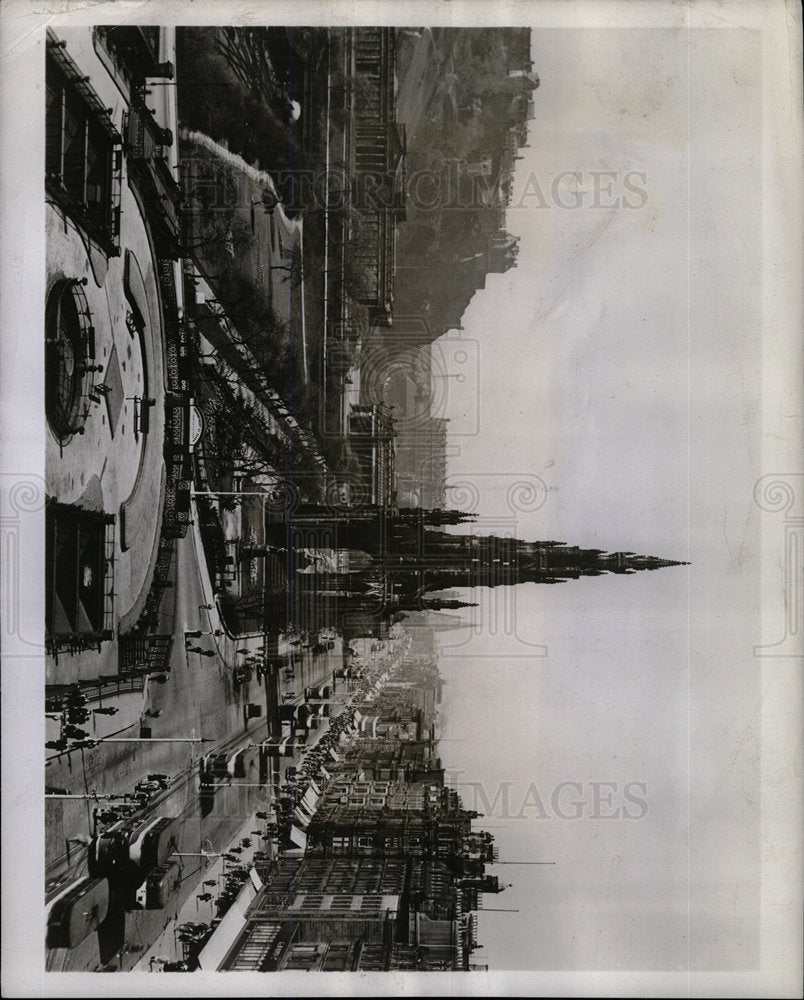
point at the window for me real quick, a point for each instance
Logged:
(82, 150)
(130, 53)
(69, 357)
(79, 577)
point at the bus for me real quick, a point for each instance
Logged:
(219, 766)
(131, 847)
(158, 888)
(212, 768)
(152, 843)
(236, 764)
(108, 851)
(73, 913)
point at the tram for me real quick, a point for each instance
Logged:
(74, 912)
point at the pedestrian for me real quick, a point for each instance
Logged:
(105, 711)
(74, 733)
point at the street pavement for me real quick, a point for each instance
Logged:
(199, 699)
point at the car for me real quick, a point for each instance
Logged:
(242, 674)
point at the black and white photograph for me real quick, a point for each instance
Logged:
(401, 498)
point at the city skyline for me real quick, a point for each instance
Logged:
(346, 344)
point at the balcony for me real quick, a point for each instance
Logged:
(145, 140)
(135, 50)
(82, 150)
(146, 147)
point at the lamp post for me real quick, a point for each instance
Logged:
(90, 796)
(145, 739)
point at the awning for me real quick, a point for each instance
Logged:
(228, 930)
(310, 801)
(369, 724)
(301, 818)
(279, 748)
(298, 837)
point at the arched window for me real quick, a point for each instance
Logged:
(69, 358)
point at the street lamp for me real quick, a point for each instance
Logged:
(90, 743)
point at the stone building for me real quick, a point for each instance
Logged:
(366, 915)
(377, 168)
(115, 386)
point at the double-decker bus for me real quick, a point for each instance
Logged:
(131, 847)
(156, 891)
(221, 766)
(75, 911)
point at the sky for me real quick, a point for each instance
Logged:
(622, 363)
(585, 350)
(618, 363)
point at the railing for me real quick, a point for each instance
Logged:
(108, 577)
(99, 215)
(70, 357)
(145, 139)
(101, 609)
(135, 50)
(169, 197)
(159, 582)
(146, 146)
(143, 654)
(95, 690)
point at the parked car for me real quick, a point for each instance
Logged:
(242, 674)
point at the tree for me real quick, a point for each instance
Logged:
(294, 269)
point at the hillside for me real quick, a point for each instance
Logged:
(465, 118)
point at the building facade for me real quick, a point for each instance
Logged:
(115, 386)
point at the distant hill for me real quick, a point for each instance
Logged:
(464, 96)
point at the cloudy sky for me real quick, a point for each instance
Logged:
(635, 360)
(618, 362)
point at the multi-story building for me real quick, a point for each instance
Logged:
(378, 170)
(421, 463)
(371, 439)
(353, 915)
(116, 406)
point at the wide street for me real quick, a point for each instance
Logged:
(199, 700)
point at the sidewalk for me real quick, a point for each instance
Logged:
(168, 946)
